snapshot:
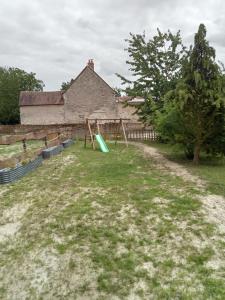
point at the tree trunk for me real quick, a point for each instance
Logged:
(197, 150)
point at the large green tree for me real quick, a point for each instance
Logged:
(197, 102)
(12, 82)
(155, 67)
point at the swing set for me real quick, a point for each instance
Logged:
(103, 129)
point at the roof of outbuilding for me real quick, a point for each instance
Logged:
(41, 98)
(123, 98)
(129, 99)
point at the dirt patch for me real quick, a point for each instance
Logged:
(15, 213)
(8, 230)
(10, 220)
(160, 201)
(94, 191)
(3, 191)
(215, 264)
(125, 211)
(174, 168)
(215, 209)
(147, 266)
(121, 249)
(213, 205)
(69, 159)
(51, 276)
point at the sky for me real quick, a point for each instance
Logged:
(55, 38)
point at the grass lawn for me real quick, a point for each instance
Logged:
(7, 151)
(210, 169)
(88, 225)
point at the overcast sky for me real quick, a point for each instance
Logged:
(55, 38)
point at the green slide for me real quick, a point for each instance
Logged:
(101, 143)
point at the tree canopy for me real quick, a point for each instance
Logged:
(155, 67)
(198, 101)
(12, 82)
(184, 90)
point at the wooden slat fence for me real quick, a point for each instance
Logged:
(142, 134)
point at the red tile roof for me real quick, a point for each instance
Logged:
(41, 98)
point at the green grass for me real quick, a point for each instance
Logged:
(211, 169)
(98, 225)
(7, 151)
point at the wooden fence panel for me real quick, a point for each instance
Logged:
(142, 134)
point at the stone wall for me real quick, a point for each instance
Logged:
(89, 97)
(127, 112)
(22, 129)
(11, 133)
(41, 115)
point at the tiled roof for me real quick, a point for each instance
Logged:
(123, 98)
(130, 100)
(41, 98)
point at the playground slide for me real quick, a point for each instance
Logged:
(101, 143)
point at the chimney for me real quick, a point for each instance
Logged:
(91, 64)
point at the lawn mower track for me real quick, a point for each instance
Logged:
(214, 205)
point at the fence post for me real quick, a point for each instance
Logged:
(24, 145)
(45, 141)
(58, 137)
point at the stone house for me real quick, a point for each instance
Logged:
(89, 96)
(126, 107)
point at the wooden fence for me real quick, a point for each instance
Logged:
(11, 134)
(49, 140)
(142, 134)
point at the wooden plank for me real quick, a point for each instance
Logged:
(124, 133)
(98, 127)
(92, 139)
(142, 134)
(113, 120)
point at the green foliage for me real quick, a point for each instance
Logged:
(12, 82)
(155, 65)
(197, 106)
(171, 128)
(117, 91)
(65, 85)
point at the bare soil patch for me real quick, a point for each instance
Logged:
(173, 167)
(215, 208)
(214, 205)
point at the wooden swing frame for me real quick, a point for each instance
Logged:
(96, 130)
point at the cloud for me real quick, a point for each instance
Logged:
(55, 38)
